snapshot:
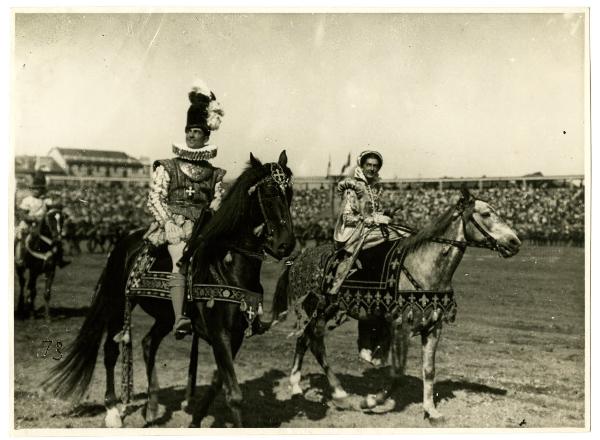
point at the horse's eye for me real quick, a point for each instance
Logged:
(486, 214)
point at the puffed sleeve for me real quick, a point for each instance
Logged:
(218, 189)
(157, 198)
(350, 209)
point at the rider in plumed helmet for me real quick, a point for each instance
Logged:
(184, 188)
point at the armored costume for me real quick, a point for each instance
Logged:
(184, 188)
(181, 190)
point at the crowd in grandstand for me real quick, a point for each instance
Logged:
(543, 215)
(100, 214)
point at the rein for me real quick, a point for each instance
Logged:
(279, 178)
(490, 242)
(249, 253)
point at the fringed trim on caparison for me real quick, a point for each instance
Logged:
(205, 153)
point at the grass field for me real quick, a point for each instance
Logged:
(514, 358)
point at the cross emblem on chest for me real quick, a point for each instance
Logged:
(190, 191)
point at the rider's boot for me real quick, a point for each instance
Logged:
(183, 324)
(341, 274)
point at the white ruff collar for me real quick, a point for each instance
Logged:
(195, 155)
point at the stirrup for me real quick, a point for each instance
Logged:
(183, 327)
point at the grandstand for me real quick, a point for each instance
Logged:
(543, 209)
(76, 166)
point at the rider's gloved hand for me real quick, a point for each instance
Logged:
(172, 232)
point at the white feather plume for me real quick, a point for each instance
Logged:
(199, 86)
(215, 114)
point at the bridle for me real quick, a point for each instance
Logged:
(467, 217)
(279, 179)
(490, 242)
(56, 213)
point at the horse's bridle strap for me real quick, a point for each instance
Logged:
(490, 242)
(278, 177)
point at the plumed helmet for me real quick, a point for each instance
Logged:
(362, 157)
(205, 111)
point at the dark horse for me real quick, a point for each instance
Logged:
(253, 218)
(413, 297)
(39, 257)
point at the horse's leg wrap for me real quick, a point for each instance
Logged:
(123, 337)
(430, 342)
(296, 373)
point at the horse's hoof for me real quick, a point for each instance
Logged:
(297, 391)
(385, 407)
(113, 418)
(152, 413)
(187, 406)
(368, 402)
(434, 416)
(341, 403)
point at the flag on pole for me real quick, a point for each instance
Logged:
(346, 165)
(329, 166)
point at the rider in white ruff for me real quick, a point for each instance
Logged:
(183, 188)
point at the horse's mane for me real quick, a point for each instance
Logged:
(432, 230)
(235, 206)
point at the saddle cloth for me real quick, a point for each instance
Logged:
(151, 274)
(373, 288)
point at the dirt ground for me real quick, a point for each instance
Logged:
(514, 358)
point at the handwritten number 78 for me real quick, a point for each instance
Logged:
(47, 345)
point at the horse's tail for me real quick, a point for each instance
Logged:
(71, 377)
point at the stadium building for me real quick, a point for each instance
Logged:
(74, 166)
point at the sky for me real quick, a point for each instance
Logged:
(457, 95)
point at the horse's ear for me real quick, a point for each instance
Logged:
(282, 159)
(254, 161)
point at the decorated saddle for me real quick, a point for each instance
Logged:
(373, 288)
(151, 274)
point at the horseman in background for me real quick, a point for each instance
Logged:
(362, 224)
(30, 213)
(184, 189)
